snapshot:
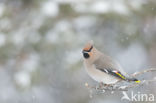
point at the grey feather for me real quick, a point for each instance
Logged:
(105, 62)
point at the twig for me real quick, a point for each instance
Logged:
(106, 88)
(142, 72)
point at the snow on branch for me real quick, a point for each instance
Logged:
(117, 87)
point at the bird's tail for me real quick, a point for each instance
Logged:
(133, 79)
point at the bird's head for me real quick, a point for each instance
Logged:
(88, 49)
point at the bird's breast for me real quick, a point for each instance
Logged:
(98, 75)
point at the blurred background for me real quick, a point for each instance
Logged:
(41, 43)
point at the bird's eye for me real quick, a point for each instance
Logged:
(86, 55)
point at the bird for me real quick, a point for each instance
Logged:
(102, 68)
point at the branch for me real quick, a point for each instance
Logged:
(142, 72)
(115, 87)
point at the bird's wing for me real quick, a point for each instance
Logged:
(114, 73)
(107, 65)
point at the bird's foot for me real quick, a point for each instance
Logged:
(108, 86)
(100, 86)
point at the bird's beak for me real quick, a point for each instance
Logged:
(84, 52)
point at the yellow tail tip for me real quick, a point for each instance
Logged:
(138, 81)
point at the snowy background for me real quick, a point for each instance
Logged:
(41, 43)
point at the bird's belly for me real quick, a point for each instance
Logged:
(101, 76)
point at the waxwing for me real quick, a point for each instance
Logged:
(103, 68)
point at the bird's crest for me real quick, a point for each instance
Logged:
(88, 46)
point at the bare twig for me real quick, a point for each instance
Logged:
(142, 72)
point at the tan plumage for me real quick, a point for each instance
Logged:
(101, 67)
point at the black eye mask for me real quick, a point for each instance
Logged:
(90, 49)
(86, 55)
(85, 52)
